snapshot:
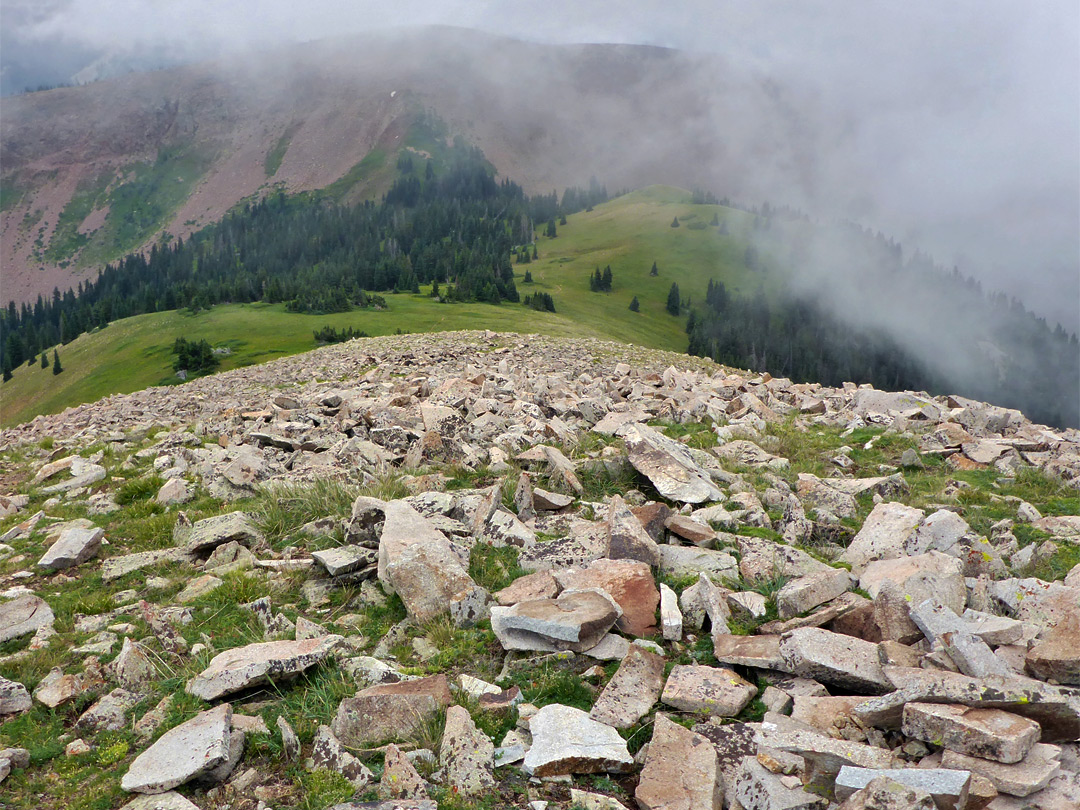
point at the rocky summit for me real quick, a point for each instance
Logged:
(479, 570)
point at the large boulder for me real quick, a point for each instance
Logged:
(669, 466)
(681, 771)
(566, 741)
(74, 547)
(23, 615)
(389, 711)
(884, 535)
(628, 582)
(186, 752)
(632, 691)
(576, 621)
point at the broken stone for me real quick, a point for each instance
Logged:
(805, 593)
(1022, 778)
(669, 466)
(211, 532)
(466, 754)
(186, 752)
(256, 664)
(346, 559)
(566, 741)
(1056, 656)
(400, 779)
(948, 789)
(74, 547)
(328, 753)
(883, 536)
(627, 539)
(576, 620)
(761, 652)
(630, 583)
(834, 659)
(632, 691)
(538, 585)
(14, 697)
(681, 561)
(987, 733)
(707, 690)
(23, 615)
(680, 770)
(670, 616)
(689, 529)
(391, 711)
(758, 789)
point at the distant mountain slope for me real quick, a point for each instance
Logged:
(92, 172)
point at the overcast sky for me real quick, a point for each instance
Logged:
(967, 112)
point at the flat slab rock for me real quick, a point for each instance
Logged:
(74, 547)
(211, 532)
(669, 466)
(629, 582)
(706, 690)
(834, 659)
(987, 733)
(390, 711)
(680, 770)
(256, 664)
(576, 620)
(183, 753)
(632, 691)
(566, 741)
(23, 615)
(949, 788)
(1023, 778)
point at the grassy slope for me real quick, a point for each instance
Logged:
(628, 233)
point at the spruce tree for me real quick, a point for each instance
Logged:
(605, 281)
(675, 222)
(634, 305)
(7, 369)
(528, 276)
(56, 367)
(655, 270)
(673, 303)
(44, 360)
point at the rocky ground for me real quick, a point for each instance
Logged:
(488, 571)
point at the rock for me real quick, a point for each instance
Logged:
(680, 561)
(290, 743)
(805, 593)
(669, 466)
(670, 616)
(211, 532)
(883, 536)
(706, 690)
(256, 664)
(346, 559)
(1056, 656)
(825, 712)
(14, 697)
(632, 691)
(697, 533)
(987, 733)
(1056, 710)
(538, 585)
(400, 779)
(994, 630)
(762, 652)
(523, 498)
(1022, 778)
(56, 688)
(417, 562)
(328, 753)
(947, 788)
(680, 772)
(761, 560)
(546, 501)
(198, 588)
(583, 800)
(834, 659)
(466, 754)
(972, 655)
(181, 754)
(115, 567)
(748, 604)
(110, 713)
(391, 711)
(823, 755)
(576, 620)
(630, 583)
(74, 547)
(566, 741)
(627, 538)
(173, 491)
(758, 789)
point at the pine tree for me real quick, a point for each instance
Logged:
(56, 367)
(673, 303)
(44, 360)
(675, 222)
(551, 232)
(7, 369)
(528, 276)
(562, 219)
(535, 254)
(634, 305)
(605, 280)
(716, 220)
(655, 270)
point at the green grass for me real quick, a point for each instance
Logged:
(277, 154)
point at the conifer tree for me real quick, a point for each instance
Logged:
(56, 367)
(44, 360)
(673, 302)
(635, 306)
(655, 270)
(605, 280)
(7, 369)
(675, 222)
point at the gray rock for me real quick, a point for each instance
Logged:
(1022, 778)
(160, 801)
(834, 659)
(346, 559)
(211, 532)
(328, 753)
(759, 789)
(688, 561)
(761, 652)
(256, 664)
(109, 713)
(948, 788)
(400, 779)
(14, 697)
(627, 538)
(566, 741)
(74, 547)
(671, 622)
(714, 691)
(632, 691)
(681, 771)
(987, 733)
(115, 567)
(575, 620)
(290, 743)
(824, 756)
(884, 535)
(173, 491)
(133, 667)
(669, 466)
(390, 711)
(23, 615)
(181, 754)
(807, 592)
(466, 755)
(761, 560)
